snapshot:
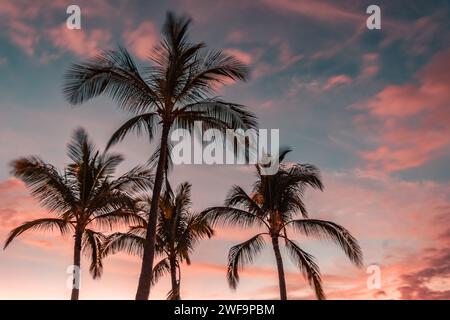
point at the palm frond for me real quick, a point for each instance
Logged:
(210, 70)
(238, 197)
(307, 266)
(118, 218)
(145, 122)
(44, 224)
(160, 269)
(113, 73)
(174, 294)
(92, 246)
(183, 197)
(107, 164)
(323, 229)
(194, 228)
(306, 174)
(232, 216)
(283, 152)
(127, 242)
(216, 114)
(81, 149)
(45, 183)
(138, 179)
(241, 254)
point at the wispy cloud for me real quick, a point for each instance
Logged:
(411, 119)
(142, 39)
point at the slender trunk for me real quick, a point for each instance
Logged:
(281, 280)
(76, 266)
(143, 290)
(173, 277)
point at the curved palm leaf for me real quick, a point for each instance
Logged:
(128, 242)
(308, 267)
(233, 217)
(218, 114)
(237, 196)
(145, 122)
(329, 230)
(242, 254)
(160, 269)
(44, 224)
(45, 183)
(92, 246)
(138, 179)
(113, 73)
(117, 218)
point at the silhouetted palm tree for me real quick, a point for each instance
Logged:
(178, 231)
(273, 204)
(84, 196)
(175, 90)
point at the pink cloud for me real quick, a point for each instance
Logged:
(285, 55)
(370, 66)
(16, 204)
(242, 56)
(418, 34)
(411, 236)
(20, 19)
(236, 36)
(328, 52)
(24, 36)
(285, 59)
(80, 42)
(319, 10)
(16, 21)
(142, 39)
(337, 80)
(411, 120)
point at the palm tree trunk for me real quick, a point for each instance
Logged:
(76, 263)
(173, 277)
(143, 290)
(281, 279)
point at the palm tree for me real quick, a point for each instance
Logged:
(272, 205)
(178, 231)
(83, 196)
(176, 90)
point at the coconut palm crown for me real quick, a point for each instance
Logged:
(179, 230)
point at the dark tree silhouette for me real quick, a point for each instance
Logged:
(84, 196)
(272, 205)
(178, 231)
(176, 90)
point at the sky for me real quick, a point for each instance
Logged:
(370, 108)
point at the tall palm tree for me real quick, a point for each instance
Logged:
(178, 231)
(83, 197)
(176, 90)
(272, 205)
